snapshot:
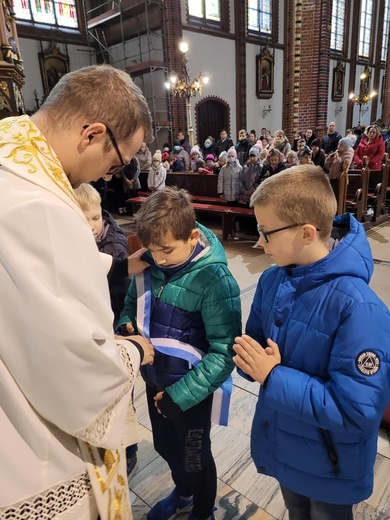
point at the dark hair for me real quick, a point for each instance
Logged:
(165, 211)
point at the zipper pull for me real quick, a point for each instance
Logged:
(160, 291)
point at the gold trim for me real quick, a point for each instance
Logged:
(27, 147)
(115, 485)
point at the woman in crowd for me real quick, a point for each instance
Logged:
(334, 161)
(144, 157)
(318, 155)
(372, 146)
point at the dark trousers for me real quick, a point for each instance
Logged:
(184, 442)
(304, 508)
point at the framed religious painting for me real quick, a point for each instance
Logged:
(264, 74)
(338, 82)
(53, 64)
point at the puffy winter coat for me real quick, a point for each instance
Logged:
(334, 162)
(199, 305)
(374, 151)
(229, 181)
(316, 422)
(115, 244)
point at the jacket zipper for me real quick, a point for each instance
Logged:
(330, 450)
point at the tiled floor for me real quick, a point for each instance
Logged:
(242, 493)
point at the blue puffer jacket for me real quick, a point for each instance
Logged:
(199, 305)
(316, 422)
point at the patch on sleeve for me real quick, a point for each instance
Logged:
(368, 363)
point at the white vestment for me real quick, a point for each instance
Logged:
(65, 382)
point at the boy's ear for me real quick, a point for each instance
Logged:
(309, 234)
(194, 237)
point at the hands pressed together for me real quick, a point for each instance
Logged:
(255, 360)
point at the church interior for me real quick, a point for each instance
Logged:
(210, 65)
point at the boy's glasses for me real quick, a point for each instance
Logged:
(265, 234)
(114, 169)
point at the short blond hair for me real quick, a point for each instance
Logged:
(87, 196)
(300, 194)
(102, 94)
(166, 210)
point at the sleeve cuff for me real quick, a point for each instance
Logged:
(265, 382)
(139, 348)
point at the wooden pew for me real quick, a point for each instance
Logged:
(377, 188)
(194, 183)
(227, 213)
(357, 190)
(340, 189)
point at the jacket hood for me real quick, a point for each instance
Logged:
(351, 257)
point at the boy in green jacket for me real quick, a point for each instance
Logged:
(188, 304)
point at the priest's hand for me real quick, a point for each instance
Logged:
(135, 264)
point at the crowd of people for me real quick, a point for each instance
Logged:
(317, 337)
(243, 166)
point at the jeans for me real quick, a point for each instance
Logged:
(304, 508)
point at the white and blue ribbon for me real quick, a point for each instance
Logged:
(179, 349)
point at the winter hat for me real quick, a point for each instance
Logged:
(165, 156)
(223, 155)
(259, 145)
(157, 155)
(232, 152)
(254, 151)
(346, 142)
(210, 156)
(316, 142)
(195, 149)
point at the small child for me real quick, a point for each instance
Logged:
(306, 157)
(110, 239)
(274, 164)
(229, 179)
(196, 315)
(165, 161)
(222, 159)
(210, 164)
(196, 160)
(157, 173)
(301, 147)
(264, 155)
(291, 159)
(317, 339)
(250, 175)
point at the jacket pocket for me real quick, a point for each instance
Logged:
(330, 450)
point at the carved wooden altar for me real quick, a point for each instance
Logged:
(11, 64)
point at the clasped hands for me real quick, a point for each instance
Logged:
(255, 360)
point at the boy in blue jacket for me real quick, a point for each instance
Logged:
(188, 304)
(318, 340)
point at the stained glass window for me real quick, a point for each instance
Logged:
(260, 16)
(386, 24)
(52, 12)
(365, 28)
(206, 9)
(22, 9)
(338, 24)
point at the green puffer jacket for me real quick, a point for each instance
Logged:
(199, 305)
